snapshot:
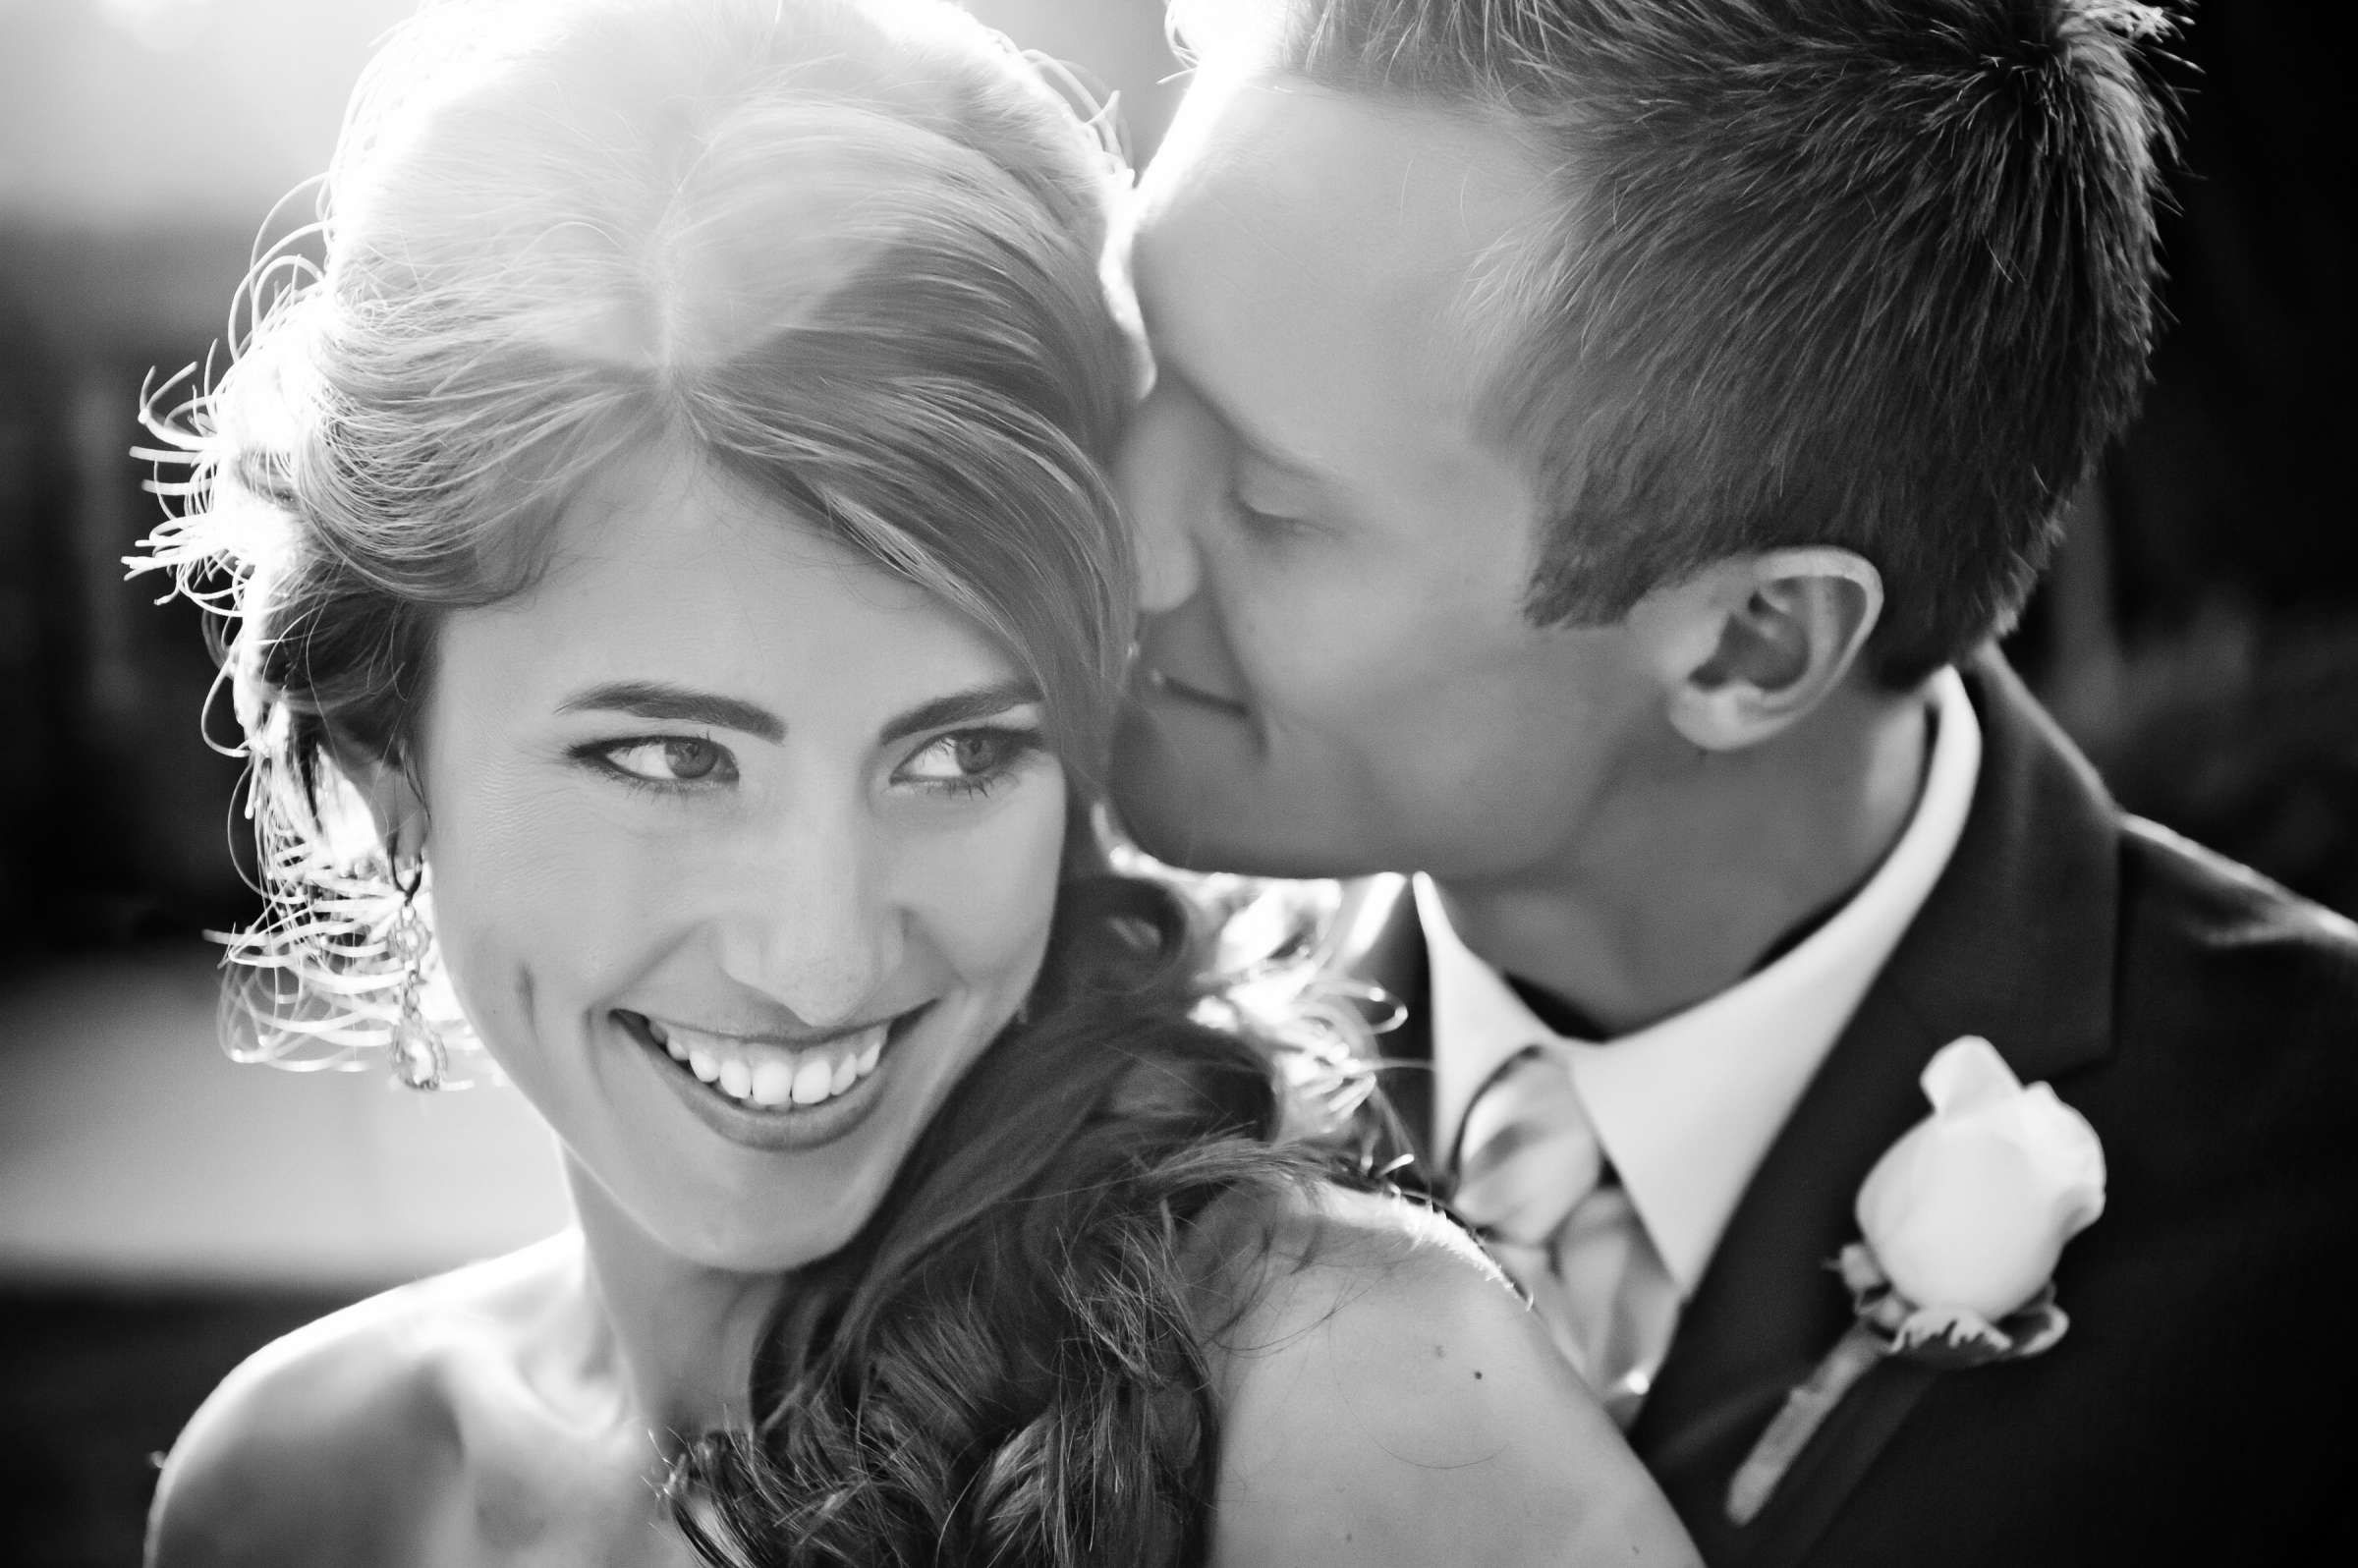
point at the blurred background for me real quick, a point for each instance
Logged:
(162, 1211)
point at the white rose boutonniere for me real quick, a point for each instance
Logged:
(1964, 1219)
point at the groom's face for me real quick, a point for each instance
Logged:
(1336, 675)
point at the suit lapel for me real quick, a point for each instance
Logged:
(1769, 1307)
(2014, 943)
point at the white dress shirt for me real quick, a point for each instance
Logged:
(1687, 1107)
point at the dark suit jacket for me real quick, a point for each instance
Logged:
(2202, 1407)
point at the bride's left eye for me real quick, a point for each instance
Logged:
(666, 762)
(969, 761)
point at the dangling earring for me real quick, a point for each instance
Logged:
(420, 1060)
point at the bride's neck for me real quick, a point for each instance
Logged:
(672, 1339)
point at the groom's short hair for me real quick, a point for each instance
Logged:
(1870, 273)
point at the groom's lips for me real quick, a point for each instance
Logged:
(1158, 683)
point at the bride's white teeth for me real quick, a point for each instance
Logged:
(811, 1079)
(774, 1081)
(767, 1076)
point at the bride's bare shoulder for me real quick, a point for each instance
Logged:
(327, 1445)
(1323, 1263)
(1387, 1397)
(1279, 1261)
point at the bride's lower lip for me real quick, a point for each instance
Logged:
(779, 1128)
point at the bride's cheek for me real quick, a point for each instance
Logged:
(533, 900)
(1001, 882)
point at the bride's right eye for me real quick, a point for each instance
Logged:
(664, 761)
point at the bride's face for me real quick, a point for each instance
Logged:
(743, 851)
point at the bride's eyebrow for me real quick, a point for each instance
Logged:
(655, 700)
(958, 707)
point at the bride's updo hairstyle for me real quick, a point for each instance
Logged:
(847, 252)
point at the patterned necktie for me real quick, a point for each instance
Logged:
(1533, 1175)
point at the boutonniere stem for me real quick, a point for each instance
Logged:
(1805, 1410)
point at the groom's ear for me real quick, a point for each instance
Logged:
(1752, 645)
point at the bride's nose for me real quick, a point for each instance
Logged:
(812, 920)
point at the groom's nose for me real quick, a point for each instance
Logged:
(1168, 472)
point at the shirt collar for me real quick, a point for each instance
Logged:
(1687, 1107)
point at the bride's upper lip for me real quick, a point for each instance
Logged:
(789, 1039)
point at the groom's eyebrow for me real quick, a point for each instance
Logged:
(1291, 464)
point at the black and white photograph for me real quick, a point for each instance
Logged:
(1176, 784)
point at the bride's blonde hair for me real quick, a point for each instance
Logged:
(846, 253)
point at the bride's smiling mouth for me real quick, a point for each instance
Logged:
(766, 1091)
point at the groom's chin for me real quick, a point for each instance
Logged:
(1158, 796)
(1193, 802)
